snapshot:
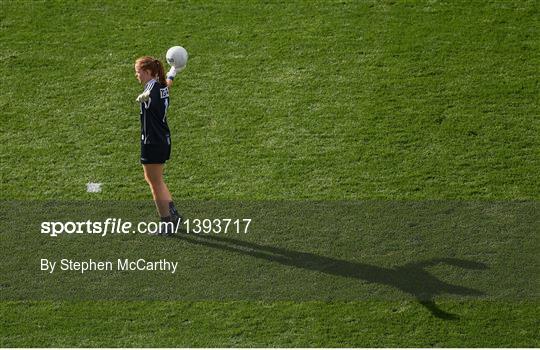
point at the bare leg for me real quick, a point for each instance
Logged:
(153, 174)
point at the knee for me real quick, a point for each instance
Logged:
(148, 178)
(153, 177)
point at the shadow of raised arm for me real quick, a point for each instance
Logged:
(411, 278)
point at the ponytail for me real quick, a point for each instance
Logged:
(160, 72)
(154, 66)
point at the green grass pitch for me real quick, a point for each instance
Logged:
(387, 103)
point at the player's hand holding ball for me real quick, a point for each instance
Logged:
(171, 73)
(177, 58)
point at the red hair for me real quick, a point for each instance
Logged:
(154, 66)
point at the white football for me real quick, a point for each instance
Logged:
(177, 56)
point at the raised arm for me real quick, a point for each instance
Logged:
(170, 76)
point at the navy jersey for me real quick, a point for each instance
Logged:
(154, 128)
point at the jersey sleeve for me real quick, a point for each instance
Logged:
(154, 95)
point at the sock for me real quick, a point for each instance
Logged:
(172, 209)
(166, 218)
(175, 215)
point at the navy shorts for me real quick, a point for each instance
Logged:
(155, 153)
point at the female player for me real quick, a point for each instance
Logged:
(155, 134)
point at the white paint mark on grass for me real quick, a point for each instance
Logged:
(93, 187)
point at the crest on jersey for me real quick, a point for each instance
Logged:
(164, 92)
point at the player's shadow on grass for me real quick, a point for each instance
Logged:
(411, 278)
